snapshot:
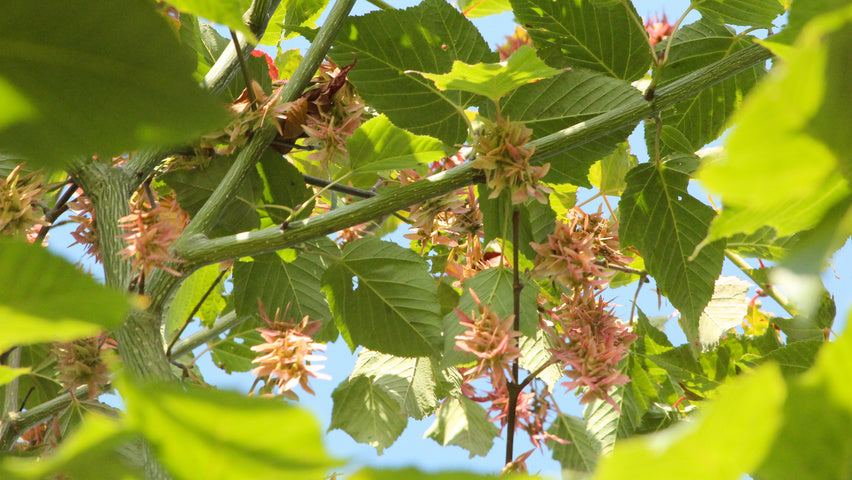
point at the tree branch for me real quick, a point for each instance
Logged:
(206, 217)
(201, 251)
(223, 324)
(16, 423)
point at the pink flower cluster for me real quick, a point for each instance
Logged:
(577, 253)
(658, 30)
(150, 233)
(591, 342)
(285, 359)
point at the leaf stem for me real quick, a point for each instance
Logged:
(224, 323)
(767, 288)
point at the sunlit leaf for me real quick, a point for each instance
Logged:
(494, 80)
(726, 310)
(580, 455)
(411, 381)
(378, 145)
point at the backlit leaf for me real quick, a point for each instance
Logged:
(555, 103)
(426, 38)
(757, 13)
(600, 37)
(483, 8)
(383, 298)
(665, 224)
(464, 423)
(367, 412)
(226, 12)
(731, 436)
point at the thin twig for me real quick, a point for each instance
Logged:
(512, 386)
(767, 288)
(532, 376)
(642, 281)
(337, 187)
(244, 69)
(58, 209)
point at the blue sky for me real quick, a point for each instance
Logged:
(411, 449)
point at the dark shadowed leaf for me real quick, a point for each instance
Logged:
(126, 84)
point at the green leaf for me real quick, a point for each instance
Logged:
(731, 436)
(194, 187)
(126, 84)
(555, 103)
(284, 186)
(753, 13)
(604, 424)
(581, 454)
(494, 80)
(703, 117)
(190, 293)
(764, 243)
(44, 298)
(463, 423)
(604, 38)
(367, 412)
(665, 224)
(414, 474)
(292, 13)
(410, 381)
(766, 183)
(7, 374)
(796, 357)
(378, 145)
(426, 38)
(816, 417)
(382, 297)
(233, 356)
(535, 352)
(608, 175)
(493, 287)
(89, 452)
(208, 45)
(40, 382)
(483, 8)
(226, 12)
(227, 435)
(293, 287)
